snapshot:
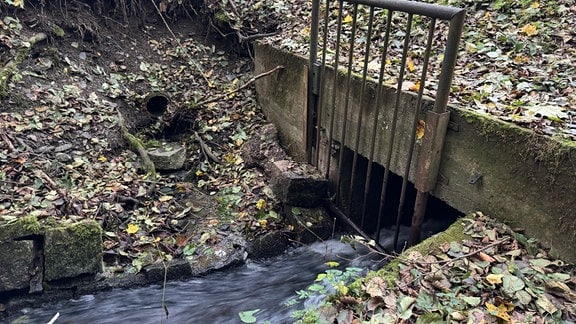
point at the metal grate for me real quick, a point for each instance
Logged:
(399, 45)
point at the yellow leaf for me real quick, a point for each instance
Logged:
(102, 159)
(132, 228)
(230, 158)
(500, 311)
(535, 5)
(420, 129)
(332, 264)
(529, 30)
(494, 278)
(415, 87)
(165, 198)
(348, 19)
(410, 65)
(263, 222)
(18, 3)
(261, 204)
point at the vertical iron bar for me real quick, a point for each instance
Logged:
(393, 127)
(346, 100)
(421, 197)
(398, 95)
(449, 62)
(361, 109)
(377, 115)
(320, 111)
(335, 83)
(414, 126)
(312, 98)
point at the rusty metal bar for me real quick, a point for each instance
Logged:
(347, 99)
(319, 125)
(333, 103)
(377, 115)
(449, 61)
(393, 126)
(312, 100)
(420, 213)
(414, 8)
(342, 216)
(361, 112)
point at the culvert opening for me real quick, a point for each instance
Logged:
(359, 197)
(156, 104)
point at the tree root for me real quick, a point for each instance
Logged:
(137, 144)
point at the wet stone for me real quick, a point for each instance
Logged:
(298, 184)
(267, 245)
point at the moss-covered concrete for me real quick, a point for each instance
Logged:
(73, 250)
(511, 173)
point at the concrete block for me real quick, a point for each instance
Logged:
(73, 251)
(16, 261)
(297, 184)
(170, 156)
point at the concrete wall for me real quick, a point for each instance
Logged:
(524, 179)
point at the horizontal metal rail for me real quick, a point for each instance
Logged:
(415, 8)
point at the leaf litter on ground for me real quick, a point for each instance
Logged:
(496, 276)
(517, 59)
(63, 158)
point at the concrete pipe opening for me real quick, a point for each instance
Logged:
(156, 103)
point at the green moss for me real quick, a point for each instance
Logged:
(87, 229)
(221, 16)
(30, 224)
(58, 31)
(390, 272)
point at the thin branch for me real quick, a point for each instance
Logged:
(206, 150)
(249, 82)
(243, 39)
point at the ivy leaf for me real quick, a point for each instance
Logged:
(248, 316)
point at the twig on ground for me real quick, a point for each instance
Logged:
(249, 82)
(206, 150)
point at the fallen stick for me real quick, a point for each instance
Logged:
(249, 82)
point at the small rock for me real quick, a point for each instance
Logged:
(63, 157)
(170, 156)
(64, 147)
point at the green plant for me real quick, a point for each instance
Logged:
(332, 282)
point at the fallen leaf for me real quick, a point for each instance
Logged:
(420, 129)
(529, 29)
(132, 228)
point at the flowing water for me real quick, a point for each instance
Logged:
(216, 298)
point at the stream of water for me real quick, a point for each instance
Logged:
(216, 298)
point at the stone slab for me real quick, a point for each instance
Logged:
(16, 261)
(73, 251)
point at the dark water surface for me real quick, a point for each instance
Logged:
(218, 297)
(215, 298)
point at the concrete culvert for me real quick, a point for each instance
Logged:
(157, 103)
